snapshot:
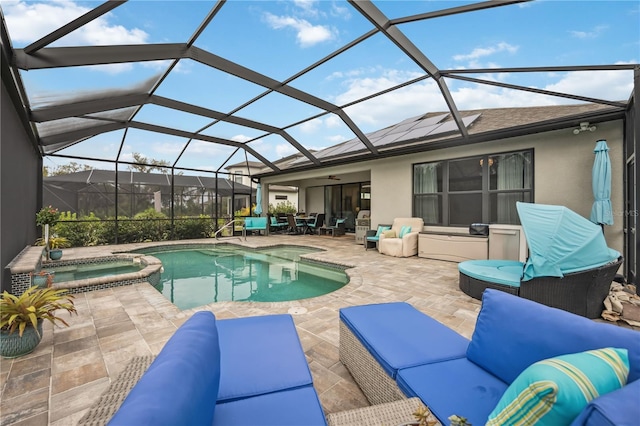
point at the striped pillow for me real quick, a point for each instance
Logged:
(554, 391)
(404, 231)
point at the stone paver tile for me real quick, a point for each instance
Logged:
(26, 383)
(74, 333)
(73, 360)
(78, 376)
(26, 365)
(65, 404)
(25, 406)
(75, 346)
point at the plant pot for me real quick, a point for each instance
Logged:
(55, 254)
(13, 346)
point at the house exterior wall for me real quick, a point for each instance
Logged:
(562, 172)
(20, 178)
(271, 194)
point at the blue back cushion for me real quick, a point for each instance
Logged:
(248, 222)
(512, 333)
(181, 385)
(404, 231)
(381, 229)
(260, 355)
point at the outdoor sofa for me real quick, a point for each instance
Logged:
(394, 351)
(252, 224)
(241, 371)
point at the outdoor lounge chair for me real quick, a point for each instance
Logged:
(402, 239)
(569, 267)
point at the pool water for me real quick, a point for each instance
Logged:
(93, 270)
(195, 277)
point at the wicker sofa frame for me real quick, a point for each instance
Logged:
(374, 382)
(582, 293)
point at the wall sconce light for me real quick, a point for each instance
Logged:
(584, 126)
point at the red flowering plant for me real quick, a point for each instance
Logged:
(47, 216)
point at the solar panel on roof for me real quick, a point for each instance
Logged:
(431, 120)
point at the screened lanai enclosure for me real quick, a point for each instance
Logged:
(202, 85)
(105, 192)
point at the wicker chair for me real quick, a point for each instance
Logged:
(582, 293)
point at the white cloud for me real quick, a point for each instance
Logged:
(307, 34)
(307, 7)
(285, 149)
(29, 21)
(594, 33)
(311, 126)
(240, 138)
(481, 52)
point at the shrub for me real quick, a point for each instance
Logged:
(282, 207)
(192, 227)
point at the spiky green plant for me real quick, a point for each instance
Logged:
(16, 312)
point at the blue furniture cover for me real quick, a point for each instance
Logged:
(561, 241)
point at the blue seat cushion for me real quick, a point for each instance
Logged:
(453, 387)
(286, 408)
(512, 333)
(373, 238)
(181, 384)
(260, 354)
(399, 336)
(506, 272)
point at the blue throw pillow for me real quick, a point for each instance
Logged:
(404, 231)
(554, 391)
(381, 229)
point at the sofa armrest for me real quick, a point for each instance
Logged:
(181, 385)
(410, 244)
(617, 408)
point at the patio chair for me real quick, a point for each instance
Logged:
(335, 230)
(569, 267)
(276, 226)
(402, 239)
(314, 225)
(372, 236)
(292, 224)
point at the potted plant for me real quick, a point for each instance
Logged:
(54, 246)
(21, 318)
(46, 217)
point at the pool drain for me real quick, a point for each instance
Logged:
(297, 310)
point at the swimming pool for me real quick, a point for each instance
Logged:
(194, 277)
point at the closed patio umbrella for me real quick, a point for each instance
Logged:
(258, 209)
(601, 212)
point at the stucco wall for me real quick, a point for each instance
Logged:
(562, 174)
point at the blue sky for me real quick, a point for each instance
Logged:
(280, 38)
